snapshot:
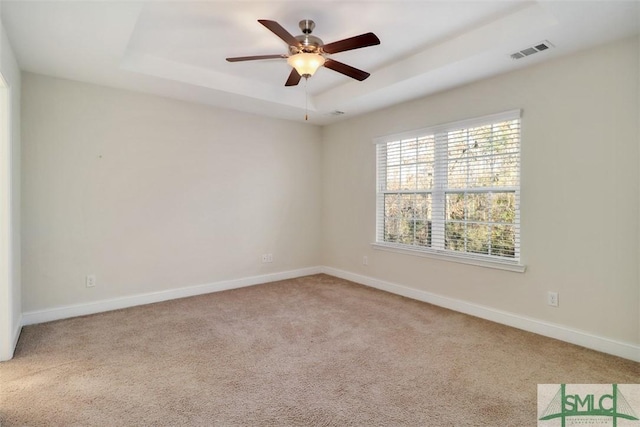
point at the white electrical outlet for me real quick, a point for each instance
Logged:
(365, 260)
(267, 258)
(90, 280)
(552, 299)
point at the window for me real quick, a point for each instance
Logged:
(453, 191)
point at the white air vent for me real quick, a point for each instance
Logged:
(531, 50)
(336, 113)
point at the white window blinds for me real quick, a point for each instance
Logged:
(452, 188)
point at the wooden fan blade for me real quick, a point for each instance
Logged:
(279, 31)
(363, 40)
(345, 69)
(294, 78)
(253, 58)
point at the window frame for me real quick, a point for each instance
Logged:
(439, 193)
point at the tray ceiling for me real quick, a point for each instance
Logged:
(178, 48)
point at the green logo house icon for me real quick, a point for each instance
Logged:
(565, 405)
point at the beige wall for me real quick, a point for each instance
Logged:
(10, 288)
(579, 205)
(151, 194)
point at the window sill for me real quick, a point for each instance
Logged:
(452, 257)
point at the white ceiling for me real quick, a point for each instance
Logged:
(178, 48)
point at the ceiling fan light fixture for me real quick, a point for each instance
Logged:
(306, 64)
(307, 52)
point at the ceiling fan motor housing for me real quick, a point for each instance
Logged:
(308, 43)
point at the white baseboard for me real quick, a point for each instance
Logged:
(16, 333)
(563, 333)
(65, 312)
(7, 353)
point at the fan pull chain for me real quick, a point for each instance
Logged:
(306, 100)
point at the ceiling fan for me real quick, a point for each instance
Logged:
(307, 52)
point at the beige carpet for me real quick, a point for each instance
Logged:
(316, 351)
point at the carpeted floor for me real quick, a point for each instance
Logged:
(317, 351)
